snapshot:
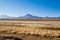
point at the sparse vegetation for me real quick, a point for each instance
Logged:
(30, 29)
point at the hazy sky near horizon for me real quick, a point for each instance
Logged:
(35, 7)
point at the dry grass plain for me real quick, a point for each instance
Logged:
(30, 30)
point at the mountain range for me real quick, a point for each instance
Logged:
(28, 17)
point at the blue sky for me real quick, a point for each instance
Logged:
(35, 7)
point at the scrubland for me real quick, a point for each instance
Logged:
(31, 30)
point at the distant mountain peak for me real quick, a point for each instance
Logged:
(28, 15)
(5, 17)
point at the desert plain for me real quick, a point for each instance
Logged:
(29, 30)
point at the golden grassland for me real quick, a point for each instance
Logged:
(33, 30)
